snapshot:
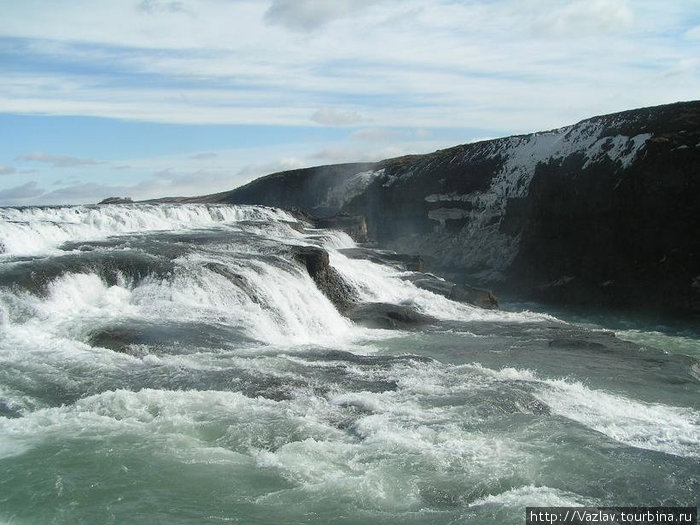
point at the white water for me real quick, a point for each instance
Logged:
(28, 231)
(675, 344)
(532, 496)
(286, 308)
(377, 283)
(652, 426)
(295, 410)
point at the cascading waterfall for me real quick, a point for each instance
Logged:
(35, 230)
(177, 363)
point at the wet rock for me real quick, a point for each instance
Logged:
(430, 282)
(577, 344)
(400, 261)
(354, 225)
(237, 279)
(138, 338)
(389, 316)
(462, 293)
(328, 280)
(35, 275)
(474, 296)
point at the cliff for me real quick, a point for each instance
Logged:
(603, 212)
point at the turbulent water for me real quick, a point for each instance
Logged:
(174, 364)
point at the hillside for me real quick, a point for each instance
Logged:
(603, 212)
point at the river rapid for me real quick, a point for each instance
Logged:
(174, 364)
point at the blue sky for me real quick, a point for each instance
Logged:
(150, 98)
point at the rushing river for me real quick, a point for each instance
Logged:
(173, 364)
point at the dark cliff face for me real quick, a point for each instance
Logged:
(604, 212)
(620, 237)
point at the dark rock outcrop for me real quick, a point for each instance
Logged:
(327, 279)
(431, 282)
(472, 295)
(611, 203)
(354, 225)
(116, 200)
(456, 292)
(400, 261)
(388, 316)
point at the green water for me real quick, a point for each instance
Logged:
(164, 390)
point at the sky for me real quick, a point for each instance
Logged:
(154, 98)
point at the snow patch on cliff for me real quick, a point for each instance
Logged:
(481, 243)
(451, 197)
(618, 148)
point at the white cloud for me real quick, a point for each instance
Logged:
(160, 6)
(57, 161)
(342, 153)
(575, 18)
(437, 64)
(207, 155)
(7, 170)
(252, 171)
(167, 183)
(375, 134)
(21, 192)
(82, 193)
(693, 34)
(307, 15)
(335, 117)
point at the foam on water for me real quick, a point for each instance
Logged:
(672, 344)
(293, 394)
(652, 426)
(286, 306)
(393, 451)
(378, 283)
(271, 301)
(385, 460)
(26, 231)
(532, 496)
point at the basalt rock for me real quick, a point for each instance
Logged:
(400, 261)
(327, 279)
(472, 295)
(387, 316)
(354, 225)
(456, 292)
(431, 282)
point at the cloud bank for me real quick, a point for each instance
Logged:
(57, 161)
(333, 80)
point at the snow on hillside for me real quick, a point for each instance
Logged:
(483, 210)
